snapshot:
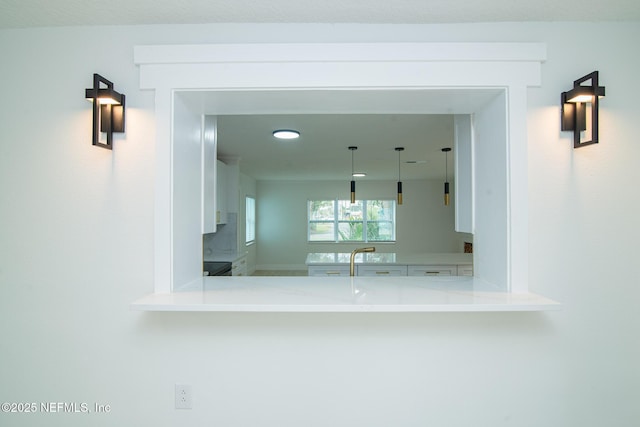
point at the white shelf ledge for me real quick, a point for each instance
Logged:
(342, 294)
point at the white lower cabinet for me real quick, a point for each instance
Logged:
(382, 270)
(329, 271)
(432, 270)
(239, 267)
(392, 270)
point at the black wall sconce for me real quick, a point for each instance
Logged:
(575, 105)
(108, 111)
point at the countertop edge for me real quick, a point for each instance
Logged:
(342, 295)
(155, 307)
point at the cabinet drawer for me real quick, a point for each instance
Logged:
(432, 270)
(329, 271)
(382, 270)
(239, 267)
(465, 270)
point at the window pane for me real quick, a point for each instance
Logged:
(380, 231)
(350, 212)
(321, 210)
(250, 220)
(321, 231)
(380, 210)
(365, 220)
(350, 231)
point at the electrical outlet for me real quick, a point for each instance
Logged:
(184, 397)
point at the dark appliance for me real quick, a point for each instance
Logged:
(216, 268)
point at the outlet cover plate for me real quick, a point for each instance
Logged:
(184, 396)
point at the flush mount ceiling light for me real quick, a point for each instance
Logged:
(353, 183)
(108, 111)
(575, 104)
(399, 150)
(446, 175)
(286, 134)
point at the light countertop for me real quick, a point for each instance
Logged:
(342, 294)
(378, 258)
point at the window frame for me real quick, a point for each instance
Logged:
(249, 218)
(336, 221)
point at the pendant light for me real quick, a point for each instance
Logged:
(446, 175)
(353, 183)
(399, 150)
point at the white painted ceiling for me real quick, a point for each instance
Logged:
(420, 121)
(321, 152)
(44, 13)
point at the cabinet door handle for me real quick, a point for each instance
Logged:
(431, 273)
(382, 272)
(333, 273)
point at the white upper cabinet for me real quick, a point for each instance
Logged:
(221, 192)
(209, 174)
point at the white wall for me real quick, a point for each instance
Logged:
(423, 223)
(76, 247)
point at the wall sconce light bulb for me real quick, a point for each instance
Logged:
(107, 101)
(581, 98)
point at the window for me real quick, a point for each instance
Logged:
(250, 218)
(342, 221)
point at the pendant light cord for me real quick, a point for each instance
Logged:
(446, 166)
(399, 150)
(352, 164)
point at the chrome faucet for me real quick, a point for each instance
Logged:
(353, 256)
